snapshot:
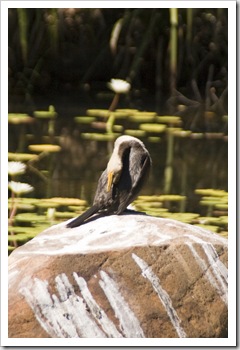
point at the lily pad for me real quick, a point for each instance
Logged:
(51, 114)
(209, 227)
(221, 206)
(210, 192)
(128, 111)
(153, 128)
(135, 132)
(64, 214)
(183, 217)
(66, 201)
(30, 218)
(98, 112)
(22, 206)
(100, 137)
(84, 120)
(168, 119)
(44, 148)
(22, 157)
(20, 229)
(21, 237)
(19, 118)
(172, 198)
(118, 128)
(77, 208)
(10, 249)
(142, 117)
(154, 139)
(156, 211)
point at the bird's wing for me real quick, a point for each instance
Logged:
(139, 170)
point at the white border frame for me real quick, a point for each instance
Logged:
(160, 342)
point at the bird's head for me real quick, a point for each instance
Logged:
(114, 169)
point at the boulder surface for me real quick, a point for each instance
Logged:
(120, 276)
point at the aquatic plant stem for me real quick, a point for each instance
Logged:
(111, 118)
(168, 173)
(173, 47)
(114, 102)
(11, 216)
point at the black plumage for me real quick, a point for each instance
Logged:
(122, 180)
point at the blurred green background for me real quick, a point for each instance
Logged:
(60, 63)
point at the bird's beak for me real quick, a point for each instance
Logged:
(110, 181)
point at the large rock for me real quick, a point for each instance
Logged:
(120, 276)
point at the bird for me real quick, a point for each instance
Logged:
(126, 172)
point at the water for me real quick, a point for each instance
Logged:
(197, 163)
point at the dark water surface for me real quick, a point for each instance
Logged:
(197, 163)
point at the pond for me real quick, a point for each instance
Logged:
(197, 163)
(190, 167)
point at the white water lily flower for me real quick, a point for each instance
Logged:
(119, 86)
(16, 168)
(19, 187)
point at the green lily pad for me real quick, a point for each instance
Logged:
(77, 208)
(64, 214)
(154, 128)
(21, 237)
(142, 117)
(183, 217)
(44, 204)
(134, 132)
(98, 112)
(30, 218)
(209, 227)
(118, 128)
(44, 148)
(172, 198)
(120, 114)
(22, 206)
(84, 120)
(154, 139)
(66, 201)
(156, 211)
(51, 114)
(10, 249)
(221, 206)
(26, 200)
(20, 229)
(223, 199)
(22, 157)
(210, 192)
(19, 118)
(168, 119)
(100, 137)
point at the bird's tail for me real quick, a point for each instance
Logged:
(81, 218)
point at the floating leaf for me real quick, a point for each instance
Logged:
(154, 128)
(66, 201)
(19, 118)
(24, 157)
(98, 112)
(51, 114)
(84, 120)
(154, 139)
(100, 137)
(209, 227)
(134, 132)
(167, 119)
(44, 148)
(210, 192)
